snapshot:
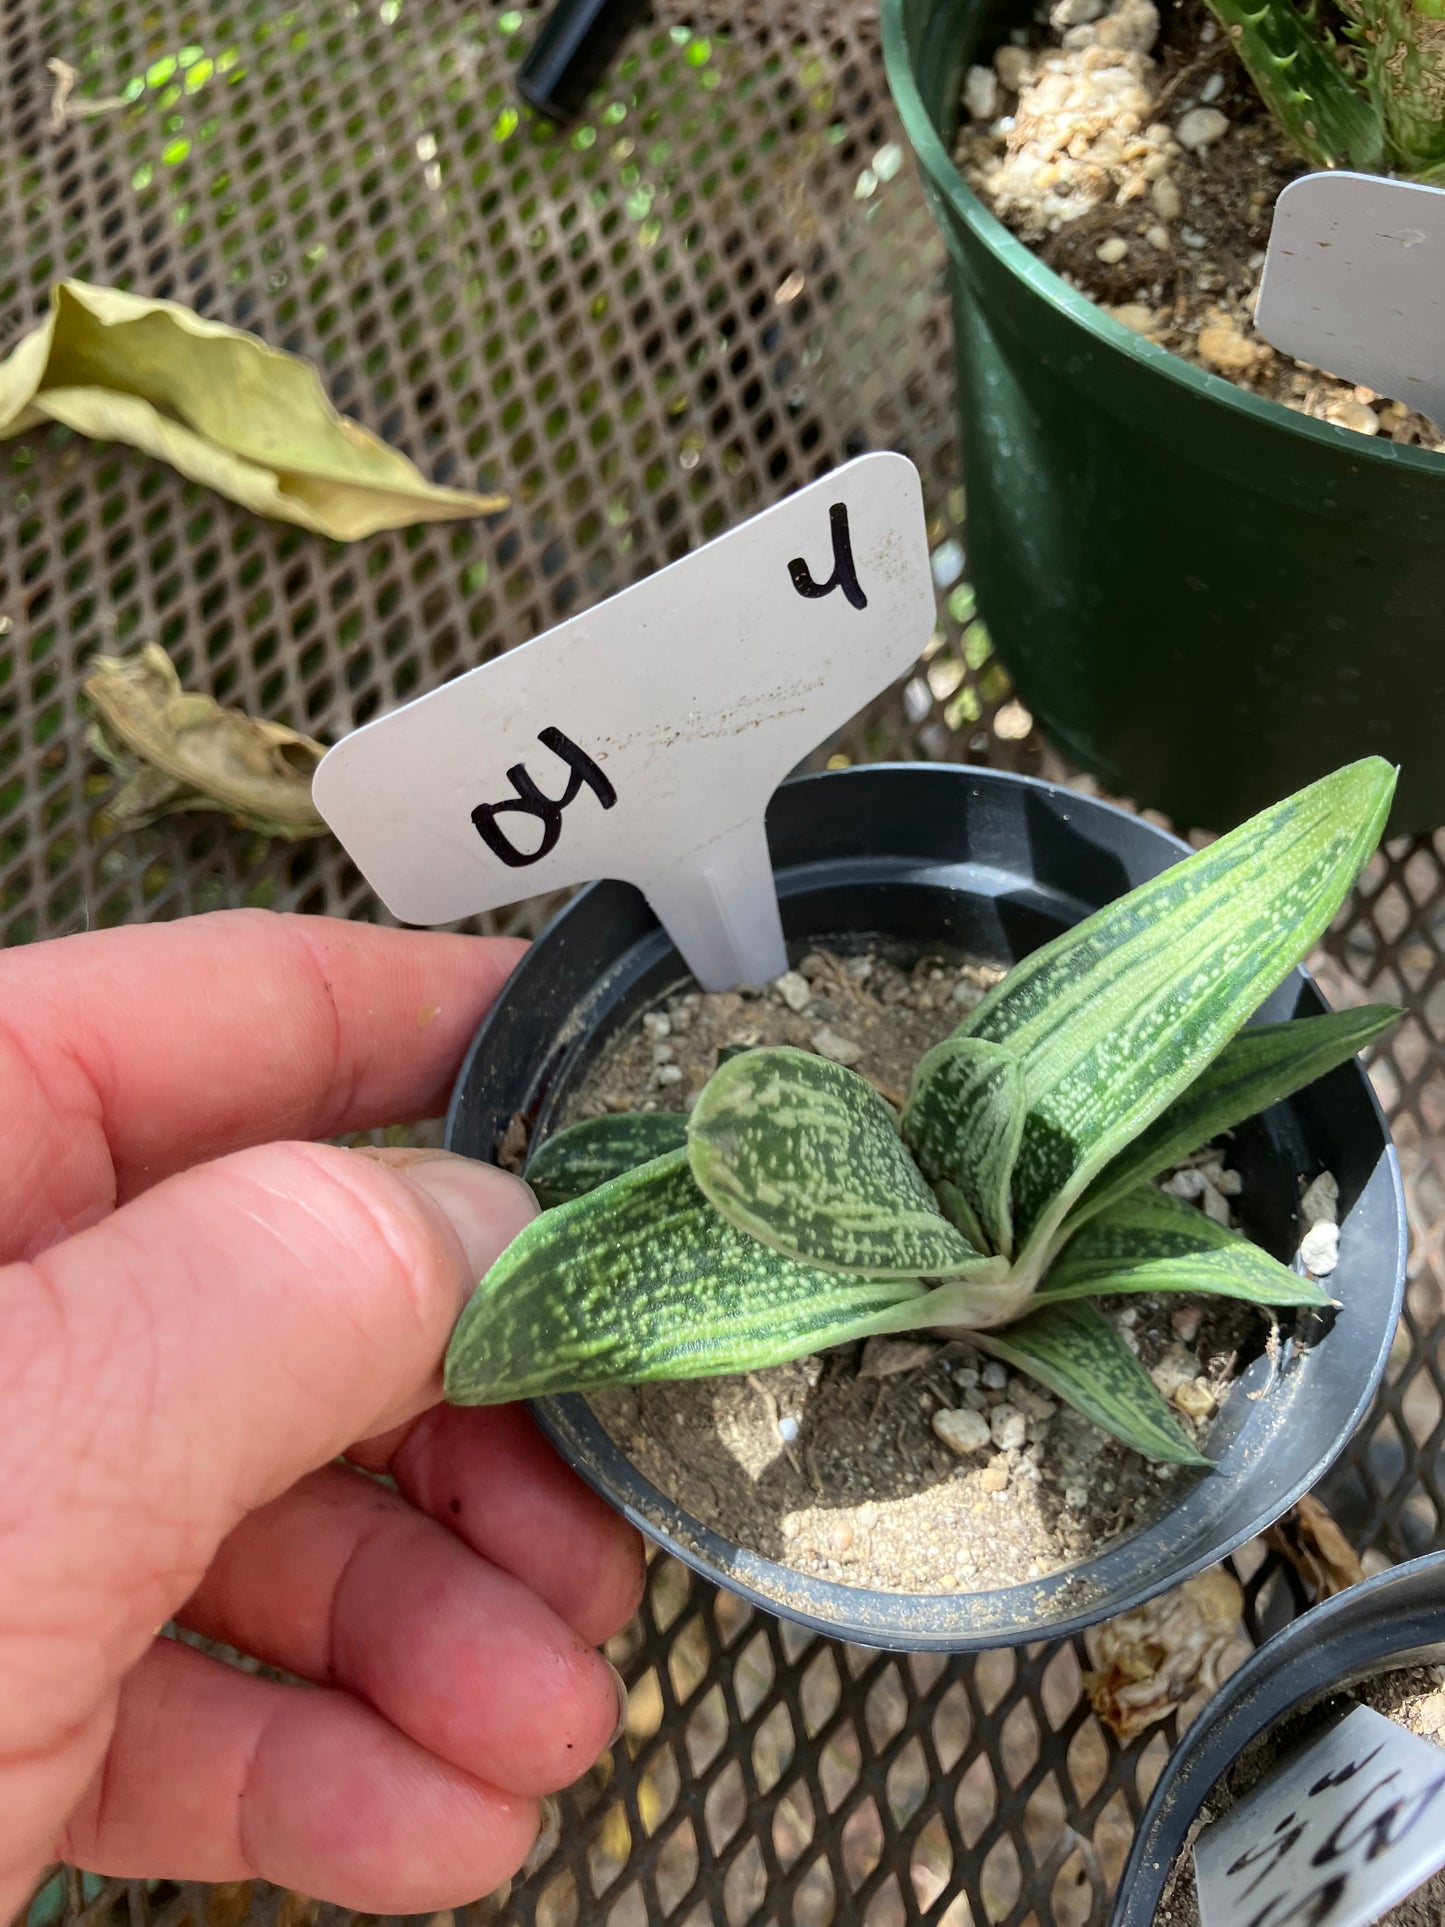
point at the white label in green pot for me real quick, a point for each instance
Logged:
(1354, 283)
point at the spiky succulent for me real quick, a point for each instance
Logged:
(1351, 83)
(795, 1209)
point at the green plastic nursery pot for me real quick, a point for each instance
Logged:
(1204, 598)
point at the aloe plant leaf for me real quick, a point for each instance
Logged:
(578, 1159)
(1326, 115)
(1254, 1070)
(963, 1121)
(1150, 1241)
(642, 1279)
(1112, 1020)
(1074, 1351)
(804, 1155)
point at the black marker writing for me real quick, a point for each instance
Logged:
(547, 810)
(844, 576)
(1273, 1850)
(1384, 1829)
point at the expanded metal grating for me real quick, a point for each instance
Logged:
(720, 285)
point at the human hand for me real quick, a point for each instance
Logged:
(191, 1332)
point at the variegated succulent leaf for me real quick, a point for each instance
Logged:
(959, 1212)
(804, 1155)
(1150, 1241)
(641, 1279)
(1075, 1352)
(1115, 1018)
(576, 1160)
(1261, 1065)
(963, 1121)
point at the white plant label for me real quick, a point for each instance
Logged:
(1354, 283)
(643, 739)
(1337, 1835)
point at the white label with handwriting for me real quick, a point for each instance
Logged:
(643, 739)
(1338, 1834)
(1354, 283)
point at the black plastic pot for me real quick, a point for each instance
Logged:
(1205, 598)
(1396, 1619)
(926, 859)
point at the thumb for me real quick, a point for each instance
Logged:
(186, 1360)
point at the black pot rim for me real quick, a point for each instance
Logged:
(1052, 1607)
(1011, 253)
(1396, 1618)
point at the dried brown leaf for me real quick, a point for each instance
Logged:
(1319, 1552)
(175, 750)
(221, 407)
(1177, 1648)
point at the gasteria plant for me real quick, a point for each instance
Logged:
(1351, 83)
(795, 1209)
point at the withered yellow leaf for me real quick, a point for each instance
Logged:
(176, 750)
(247, 420)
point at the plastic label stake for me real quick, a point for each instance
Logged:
(643, 739)
(1334, 1836)
(1354, 283)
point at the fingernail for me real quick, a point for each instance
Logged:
(549, 1836)
(486, 1207)
(621, 1686)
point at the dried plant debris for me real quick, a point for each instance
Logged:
(221, 407)
(1178, 1648)
(1319, 1552)
(66, 107)
(175, 750)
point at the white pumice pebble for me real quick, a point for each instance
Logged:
(1321, 1202)
(1320, 1249)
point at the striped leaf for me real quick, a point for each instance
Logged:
(641, 1279)
(585, 1155)
(959, 1212)
(1150, 1241)
(1254, 1070)
(1112, 1020)
(1075, 1351)
(963, 1122)
(802, 1154)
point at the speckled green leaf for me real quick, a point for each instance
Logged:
(1075, 1351)
(1254, 1070)
(642, 1279)
(1150, 1241)
(585, 1155)
(963, 1121)
(959, 1212)
(1115, 1018)
(806, 1156)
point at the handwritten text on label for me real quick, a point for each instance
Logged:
(1334, 1837)
(643, 739)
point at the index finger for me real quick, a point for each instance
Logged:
(126, 1055)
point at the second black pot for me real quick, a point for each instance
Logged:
(1393, 1620)
(922, 859)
